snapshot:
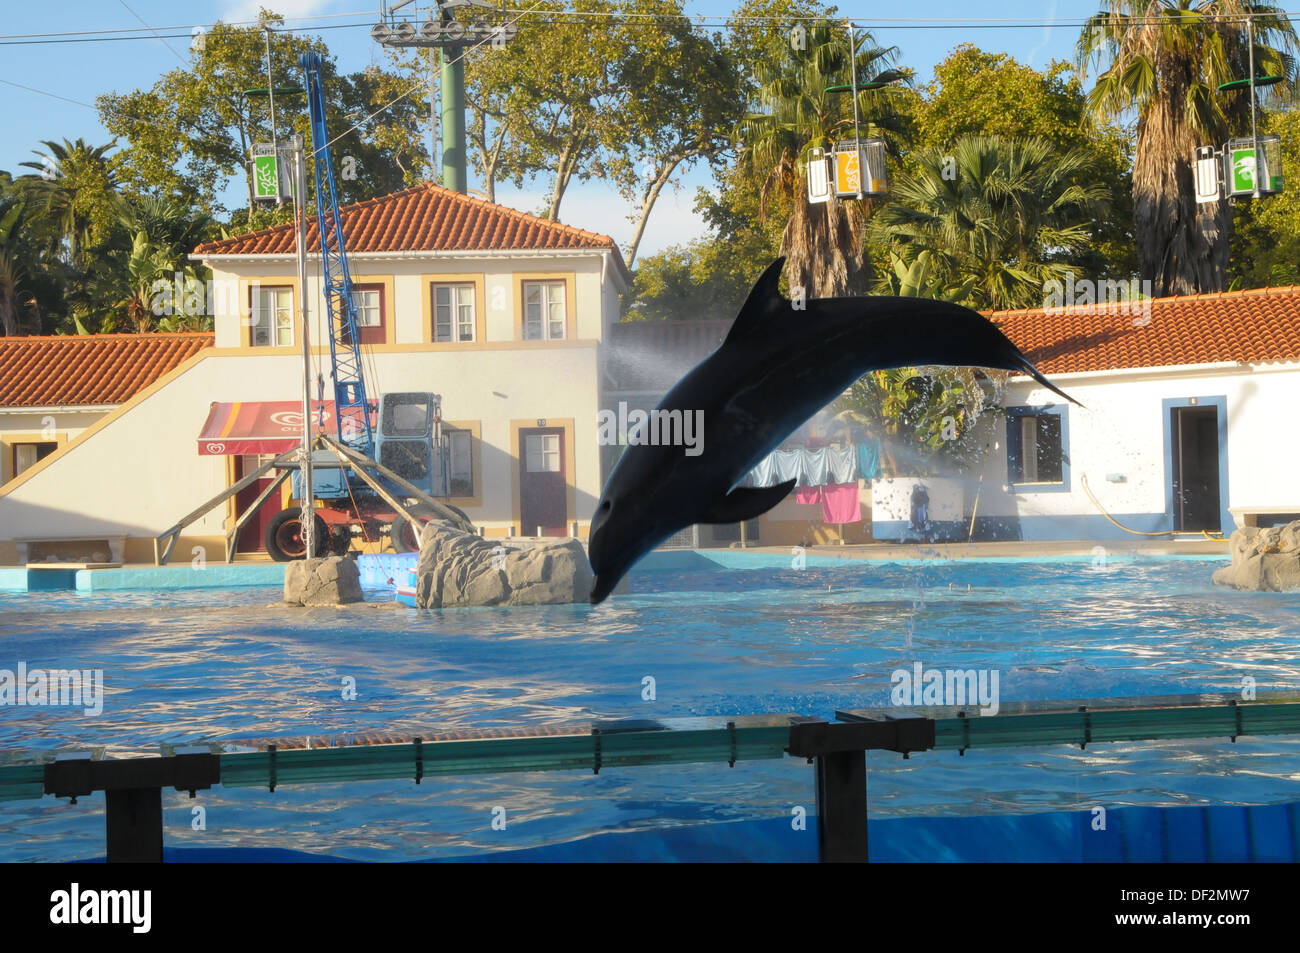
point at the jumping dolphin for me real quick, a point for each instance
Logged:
(777, 367)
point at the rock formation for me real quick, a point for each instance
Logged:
(1263, 560)
(328, 581)
(461, 569)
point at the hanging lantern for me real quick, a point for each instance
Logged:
(1250, 161)
(819, 176)
(1205, 174)
(860, 168)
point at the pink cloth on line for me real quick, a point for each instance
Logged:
(808, 494)
(840, 503)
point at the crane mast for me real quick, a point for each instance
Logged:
(351, 405)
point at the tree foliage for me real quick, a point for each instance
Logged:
(1165, 59)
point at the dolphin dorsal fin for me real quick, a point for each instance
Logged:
(764, 301)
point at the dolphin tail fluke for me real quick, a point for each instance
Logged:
(745, 503)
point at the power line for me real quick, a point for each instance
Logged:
(554, 17)
(33, 89)
(185, 26)
(153, 31)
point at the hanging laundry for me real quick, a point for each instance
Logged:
(808, 495)
(869, 459)
(840, 503)
(807, 467)
(841, 464)
(789, 466)
(765, 473)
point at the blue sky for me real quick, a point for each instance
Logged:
(82, 71)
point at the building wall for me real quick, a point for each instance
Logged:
(1121, 431)
(40, 426)
(591, 300)
(138, 471)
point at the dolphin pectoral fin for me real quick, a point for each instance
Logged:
(745, 503)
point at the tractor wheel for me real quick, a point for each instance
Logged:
(284, 536)
(405, 537)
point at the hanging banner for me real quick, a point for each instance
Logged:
(266, 173)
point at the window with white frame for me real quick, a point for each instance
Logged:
(367, 304)
(542, 453)
(543, 310)
(453, 313)
(272, 317)
(460, 469)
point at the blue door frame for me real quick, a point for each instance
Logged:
(1220, 403)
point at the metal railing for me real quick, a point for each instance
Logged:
(133, 786)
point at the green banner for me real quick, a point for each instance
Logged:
(266, 178)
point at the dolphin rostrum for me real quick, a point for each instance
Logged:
(777, 367)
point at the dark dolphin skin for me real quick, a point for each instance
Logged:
(776, 369)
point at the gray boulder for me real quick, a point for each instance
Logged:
(328, 581)
(1263, 560)
(462, 569)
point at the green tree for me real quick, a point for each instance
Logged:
(1165, 59)
(686, 98)
(195, 128)
(975, 92)
(76, 189)
(927, 415)
(1006, 212)
(1266, 234)
(822, 242)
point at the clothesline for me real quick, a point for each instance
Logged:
(821, 466)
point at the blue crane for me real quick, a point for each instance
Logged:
(351, 407)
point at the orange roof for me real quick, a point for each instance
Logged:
(1239, 326)
(425, 218)
(88, 370)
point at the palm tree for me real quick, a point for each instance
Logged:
(928, 415)
(1165, 59)
(823, 243)
(76, 188)
(1006, 212)
(13, 269)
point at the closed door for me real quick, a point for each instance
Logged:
(1196, 469)
(252, 536)
(542, 486)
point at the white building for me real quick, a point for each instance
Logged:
(500, 312)
(1187, 424)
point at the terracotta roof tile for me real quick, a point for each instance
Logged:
(425, 218)
(1240, 326)
(94, 369)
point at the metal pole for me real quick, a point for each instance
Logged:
(270, 92)
(853, 81)
(307, 525)
(433, 117)
(1254, 136)
(453, 120)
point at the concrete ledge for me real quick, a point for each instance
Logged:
(181, 577)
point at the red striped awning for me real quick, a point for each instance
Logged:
(260, 426)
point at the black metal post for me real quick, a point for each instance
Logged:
(133, 821)
(840, 754)
(133, 824)
(842, 807)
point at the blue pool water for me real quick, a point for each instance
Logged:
(206, 665)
